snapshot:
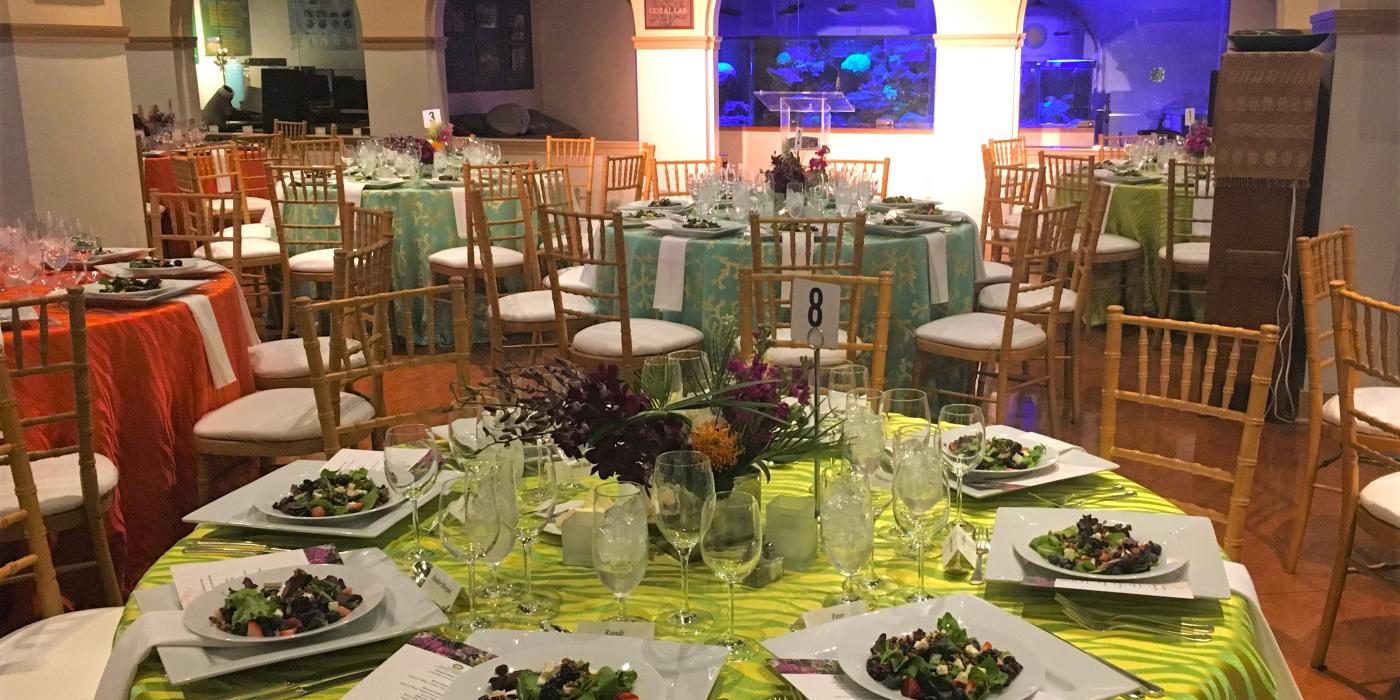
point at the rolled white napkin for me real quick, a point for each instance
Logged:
(163, 628)
(1202, 209)
(459, 210)
(220, 369)
(937, 267)
(670, 274)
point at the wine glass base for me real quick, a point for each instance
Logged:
(625, 618)
(534, 607)
(463, 625)
(740, 649)
(913, 596)
(499, 592)
(685, 621)
(839, 599)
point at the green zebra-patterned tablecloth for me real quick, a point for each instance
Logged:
(1227, 668)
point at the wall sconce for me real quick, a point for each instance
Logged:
(1157, 74)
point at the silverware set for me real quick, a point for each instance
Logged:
(1101, 621)
(296, 690)
(1114, 492)
(218, 546)
(982, 539)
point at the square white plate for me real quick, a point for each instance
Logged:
(1191, 536)
(111, 255)
(190, 268)
(238, 508)
(406, 609)
(1074, 462)
(691, 668)
(168, 289)
(1070, 674)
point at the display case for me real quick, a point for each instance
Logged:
(804, 118)
(1057, 92)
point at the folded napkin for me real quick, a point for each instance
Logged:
(459, 210)
(158, 628)
(937, 266)
(220, 369)
(670, 274)
(1202, 211)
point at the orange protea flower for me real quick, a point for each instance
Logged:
(715, 440)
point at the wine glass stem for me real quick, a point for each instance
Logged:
(417, 532)
(685, 579)
(622, 607)
(960, 497)
(731, 633)
(919, 557)
(525, 556)
(471, 589)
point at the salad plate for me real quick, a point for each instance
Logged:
(673, 203)
(1071, 462)
(168, 289)
(108, 255)
(286, 596)
(1012, 458)
(182, 267)
(901, 202)
(1159, 563)
(333, 492)
(610, 671)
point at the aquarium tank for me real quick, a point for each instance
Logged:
(1057, 93)
(880, 54)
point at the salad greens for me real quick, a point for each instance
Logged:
(898, 199)
(301, 604)
(1004, 454)
(565, 680)
(153, 263)
(1097, 547)
(333, 493)
(124, 285)
(700, 223)
(948, 664)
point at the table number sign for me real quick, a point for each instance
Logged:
(431, 117)
(816, 312)
(669, 14)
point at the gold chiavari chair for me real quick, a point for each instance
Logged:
(1115, 146)
(372, 321)
(271, 144)
(1008, 151)
(320, 151)
(625, 174)
(498, 186)
(1067, 181)
(649, 152)
(1011, 190)
(289, 129)
(1365, 333)
(877, 170)
(549, 187)
(75, 484)
(1024, 332)
(763, 304)
(225, 169)
(577, 156)
(199, 224)
(1184, 387)
(822, 246)
(672, 177)
(311, 216)
(26, 513)
(572, 239)
(1190, 205)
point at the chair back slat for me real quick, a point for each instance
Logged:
(626, 174)
(818, 245)
(572, 239)
(1011, 189)
(1008, 151)
(365, 266)
(1115, 146)
(289, 129)
(576, 155)
(308, 206)
(877, 170)
(199, 221)
(1189, 183)
(1040, 261)
(1068, 180)
(672, 177)
(321, 151)
(549, 187)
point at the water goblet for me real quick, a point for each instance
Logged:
(620, 541)
(410, 468)
(683, 487)
(918, 489)
(510, 458)
(731, 548)
(469, 527)
(848, 532)
(961, 436)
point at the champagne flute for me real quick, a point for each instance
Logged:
(863, 433)
(620, 541)
(684, 490)
(731, 548)
(918, 489)
(470, 527)
(962, 433)
(510, 459)
(848, 532)
(535, 497)
(410, 468)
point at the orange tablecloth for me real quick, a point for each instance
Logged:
(150, 382)
(160, 174)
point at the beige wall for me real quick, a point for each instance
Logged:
(586, 67)
(84, 12)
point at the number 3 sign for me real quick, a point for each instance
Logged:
(816, 312)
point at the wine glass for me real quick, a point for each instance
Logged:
(962, 433)
(469, 527)
(683, 487)
(620, 541)
(535, 498)
(863, 433)
(731, 548)
(410, 468)
(841, 380)
(905, 403)
(510, 458)
(918, 489)
(848, 531)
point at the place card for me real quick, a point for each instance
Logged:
(350, 459)
(818, 678)
(422, 669)
(193, 580)
(638, 630)
(959, 551)
(833, 613)
(356, 131)
(441, 587)
(247, 128)
(576, 534)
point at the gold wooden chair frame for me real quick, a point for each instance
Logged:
(1008, 151)
(878, 170)
(1011, 191)
(1195, 394)
(623, 174)
(496, 183)
(1364, 330)
(1115, 146)
(1184, 188)
(289, 129)
(808, 245)
(671, 178)
(48, 357)
(1067, 181)
(307, 249)
(762, 304)
(201, 222)
(271, 144)
(319, 151)
(576, 155)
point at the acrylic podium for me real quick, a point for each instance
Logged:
(795, 126)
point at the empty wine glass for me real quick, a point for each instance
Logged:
(795, 201)
(535, 498)
(848, 532)
(469, 527)
(841, 380)
(731, 548)
(683, 487)
(961, 435)
(410, 468)
(688, 376)
(918, 489)
(510, 458)
(620, 541)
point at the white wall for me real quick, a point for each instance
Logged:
(586, 66)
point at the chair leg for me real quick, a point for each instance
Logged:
(102, 553)
(1052, 376)
(1303, 508)
(203, 471)
(1076, 391)
(1002, 398)
(1338, 582)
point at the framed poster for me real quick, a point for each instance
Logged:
(226, 21)
(489, 45)
(669, 14)
(323, 24)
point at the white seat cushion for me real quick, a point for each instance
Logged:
(981, 331)
(538, 306)
(457, 257)
(1381, 498)
(252, 204)
(995, 272)
(993, 298)
(262, 231)
(286, 359)
(1111, 244)
(1383, 402)
(276, 415)
(60, 658)
(1195, 253)
(571, 279)
(794, 357)
(252, 248)
(649, 337)
(319, 261)
(60, 487)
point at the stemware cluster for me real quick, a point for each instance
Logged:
(37, 249)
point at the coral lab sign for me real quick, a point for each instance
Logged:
(669, 14)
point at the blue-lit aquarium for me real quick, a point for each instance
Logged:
(1057, 92)
(880, 54)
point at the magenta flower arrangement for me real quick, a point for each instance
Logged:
(1198, 139)
(409, 143)
(788, 170)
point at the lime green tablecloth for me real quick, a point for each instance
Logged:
(1226, 668)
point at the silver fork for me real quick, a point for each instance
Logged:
(982, 539)
(1149, 620)
(1098, 625)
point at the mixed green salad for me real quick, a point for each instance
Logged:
(565, 680)
(897, 199)
(125, 285)
(154, 263)
(665, 202)
(642, 214)
(948, 664)
(333, 493)
(1094, 546)
(301, 604)
(700, 223)
(929, 209)
(1004, 455)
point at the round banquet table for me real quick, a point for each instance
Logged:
(1225, 668)
(150, 382)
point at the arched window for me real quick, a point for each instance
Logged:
(879, 52)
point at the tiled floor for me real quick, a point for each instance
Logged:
(1364, 661)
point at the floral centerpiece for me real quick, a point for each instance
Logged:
(409, 144)
(157, 121)
(788, 169)
(753, 415)
(439, 134)
(1198, 140)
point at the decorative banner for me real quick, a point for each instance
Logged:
(669, 14)
(323, 24)
(226, 22)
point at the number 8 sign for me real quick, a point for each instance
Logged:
(816, 312)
